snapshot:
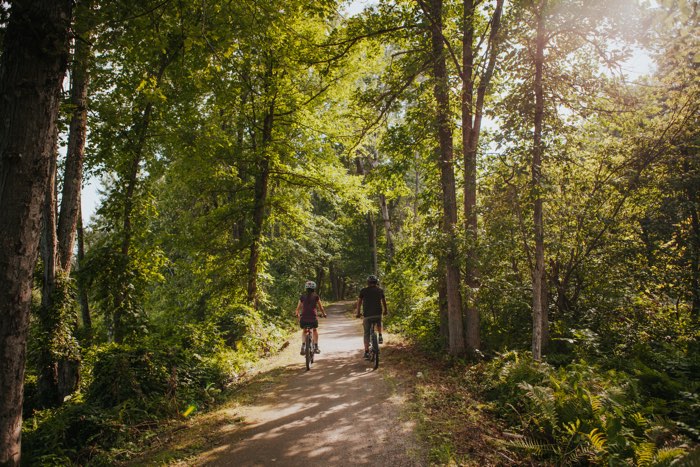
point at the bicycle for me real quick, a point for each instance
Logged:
(373, 343)
(308, 344)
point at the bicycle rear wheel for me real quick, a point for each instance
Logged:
(309, 350)
(375, 350)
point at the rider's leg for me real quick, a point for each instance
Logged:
(303, 341)
(315, 339)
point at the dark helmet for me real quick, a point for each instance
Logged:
(372, 279)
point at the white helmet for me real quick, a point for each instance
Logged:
(310, 285)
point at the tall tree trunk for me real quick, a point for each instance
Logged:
(386, 219)
(442, 303)
(119, 327)
(372, 231)
(472, 115)
(32, 66)
(320, 279)
(73, 178)
(335, 280)
(262, 182)
(59, 361)
(140, 128)
(82, 290)
(447, 180)
(48, 319)
(538, 303)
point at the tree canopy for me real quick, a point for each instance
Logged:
(512, 183)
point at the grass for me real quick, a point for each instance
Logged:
(457, 426)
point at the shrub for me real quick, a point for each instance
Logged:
(123, 372)
(579, 413)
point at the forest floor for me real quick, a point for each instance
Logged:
(409, 412)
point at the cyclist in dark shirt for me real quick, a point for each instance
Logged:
(308, 303)
(373, 305)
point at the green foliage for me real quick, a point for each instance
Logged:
(580, 413)
(121, 373)
(130, 389)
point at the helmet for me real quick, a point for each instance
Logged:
(372, 279)
(310, 285)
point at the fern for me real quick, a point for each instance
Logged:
(596, 402)
(597, 440)
(666, 456)
(644, 453)
(572, 428)
(531, 446)
(544, 400)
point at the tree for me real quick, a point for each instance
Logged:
(538, 274)
(32, 66)
(474, 75)
(445, 160)
(73, 178)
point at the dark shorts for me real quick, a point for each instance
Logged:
(367, 324)
(308, 324)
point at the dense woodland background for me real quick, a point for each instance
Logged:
(529, 205)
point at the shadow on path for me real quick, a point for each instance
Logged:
(339, 413)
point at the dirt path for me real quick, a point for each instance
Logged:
(339, 413)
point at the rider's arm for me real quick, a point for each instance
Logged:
(357, 308)
(320, 307)
(298, 308)
(386, 310)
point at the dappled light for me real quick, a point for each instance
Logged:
(513, 187)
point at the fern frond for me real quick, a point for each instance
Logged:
(572, 428)
(531, 446)
(543, 399)
(644, 452)
(596, 403)
(640, 420)
(665, 456)
(597, 440)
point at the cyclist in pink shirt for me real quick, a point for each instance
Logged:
(308, 304)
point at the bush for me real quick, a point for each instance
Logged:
(123, 372)
(579, 413)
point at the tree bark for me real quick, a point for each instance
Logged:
(262, 182)
(73, 178)
(538, 303)
(335, 280)
(386, 219)
(372, 231)
(447, 179)
(48, 364)
(32, 67)
(442, 303)
(472, 115)
(82, 291)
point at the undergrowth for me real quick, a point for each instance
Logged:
(582, 414)
(130, 392)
